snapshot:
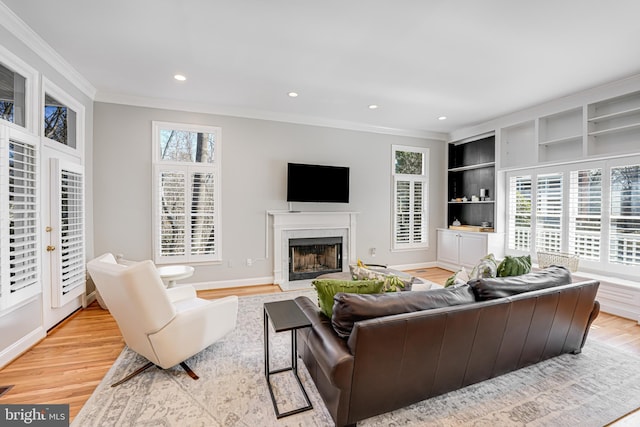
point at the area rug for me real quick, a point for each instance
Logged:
(590, 389)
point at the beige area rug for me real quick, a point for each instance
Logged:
(590, 389)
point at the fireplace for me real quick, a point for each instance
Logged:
(311, 257)
(288, 225)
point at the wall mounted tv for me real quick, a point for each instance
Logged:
(317, 183)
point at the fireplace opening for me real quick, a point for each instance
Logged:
(311, 257)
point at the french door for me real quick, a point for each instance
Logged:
(63, 220)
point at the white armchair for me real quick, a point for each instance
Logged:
(166, 326)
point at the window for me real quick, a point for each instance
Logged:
(585, 213)
(19, 225)
(549, 212)
(410, 186)
(59, 122)
(593, 213)
(186, 193)
(624, 239)
(12, 96)
(519, 237)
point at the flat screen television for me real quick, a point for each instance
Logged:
(317, 183)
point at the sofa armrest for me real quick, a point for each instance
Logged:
(329, 350)
(180, 293)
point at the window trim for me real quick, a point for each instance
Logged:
(32, 81)
(398, 177)
(214, 167)
(48, 87)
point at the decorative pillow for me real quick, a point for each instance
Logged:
(514, 266)
(459, 278)
(351, 308)
(500, 287)
(487, 267)
(327, 288)
(393, 281)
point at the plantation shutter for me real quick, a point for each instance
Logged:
(19, 244)
(549, 212)
(68, 208)
(203, 232)
(410, 221)
(172, 232)
(585, 204)
(519, 237)
(624, 233)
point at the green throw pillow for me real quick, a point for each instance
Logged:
(459, 278)
(514, 266)
(327, 288)
(486, 267)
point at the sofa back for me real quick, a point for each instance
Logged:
(405, 358)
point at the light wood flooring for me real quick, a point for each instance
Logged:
(70, 362)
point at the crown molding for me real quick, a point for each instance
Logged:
(169, 104)
(24, 33)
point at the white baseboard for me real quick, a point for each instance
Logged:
(17, 348)
(417, 266)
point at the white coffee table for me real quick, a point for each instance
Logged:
(171, 273)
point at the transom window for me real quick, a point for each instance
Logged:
(12, 96)
(186, 193)
(59, 122)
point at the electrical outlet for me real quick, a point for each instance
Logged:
(372, 251)
(249, 262)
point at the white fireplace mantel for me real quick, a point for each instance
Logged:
(289, 224)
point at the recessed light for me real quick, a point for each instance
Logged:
(180, 77)
(373, 106)
(442, 118)
(292, 94)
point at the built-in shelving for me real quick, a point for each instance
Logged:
(471, 174)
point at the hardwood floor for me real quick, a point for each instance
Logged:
(70, 362)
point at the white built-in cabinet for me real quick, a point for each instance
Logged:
(458, 249)
(604, 128)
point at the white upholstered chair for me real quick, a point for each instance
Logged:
(166, 326)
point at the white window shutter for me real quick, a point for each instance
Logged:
(19, 244)
(203, 232)
(172, 199)
(585, 216)
(520, 202)
(549, 212)
(67, 207)
(624, 233)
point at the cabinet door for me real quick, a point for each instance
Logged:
(448, 247)
(472, 248)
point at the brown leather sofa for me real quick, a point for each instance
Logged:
(390, 362)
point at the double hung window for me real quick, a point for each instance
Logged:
(186, 193)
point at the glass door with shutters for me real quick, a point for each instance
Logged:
(64, 239)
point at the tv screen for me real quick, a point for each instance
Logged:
(317, 183)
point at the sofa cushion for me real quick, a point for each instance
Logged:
(499, 287)
(351, 308)
(514, 266)
(327, 288)
(486, 267)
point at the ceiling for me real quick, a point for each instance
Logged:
(417, 60)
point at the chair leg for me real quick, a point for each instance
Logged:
(133, 374)
(189, 371)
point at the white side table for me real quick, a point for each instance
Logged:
(171, 273)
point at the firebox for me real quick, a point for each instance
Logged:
(311, 257)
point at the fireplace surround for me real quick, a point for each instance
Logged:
(287, 225)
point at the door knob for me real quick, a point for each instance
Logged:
(51, 248)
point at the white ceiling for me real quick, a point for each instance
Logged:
(470, 60)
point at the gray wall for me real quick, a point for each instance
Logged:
(255, 154)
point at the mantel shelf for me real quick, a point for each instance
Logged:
(468, 202)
